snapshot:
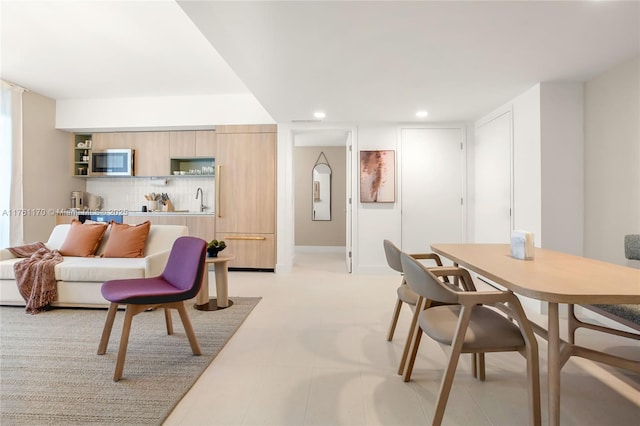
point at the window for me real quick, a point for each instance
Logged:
(10, 167)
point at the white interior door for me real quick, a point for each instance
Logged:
(432, 188)
(492, 149)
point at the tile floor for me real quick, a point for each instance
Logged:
(314, 352)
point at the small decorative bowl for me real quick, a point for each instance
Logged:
(213, 251)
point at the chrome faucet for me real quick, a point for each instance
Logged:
(199, 192)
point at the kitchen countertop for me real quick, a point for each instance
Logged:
(174, 213)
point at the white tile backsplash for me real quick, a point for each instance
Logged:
(128, 193)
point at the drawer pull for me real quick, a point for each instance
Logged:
(244, 238)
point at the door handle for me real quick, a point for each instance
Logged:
(218, 179)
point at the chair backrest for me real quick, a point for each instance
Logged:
(427, 285)
(393, 255)
(632, 246)
(185, 267)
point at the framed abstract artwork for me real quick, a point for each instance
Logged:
(378, 176)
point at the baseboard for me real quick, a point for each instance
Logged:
(320, 249)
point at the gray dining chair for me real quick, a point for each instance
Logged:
(625, 314)
(409, 297)
(405, 294)
(468, 325)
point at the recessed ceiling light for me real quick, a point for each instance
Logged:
(421, 114)
(319, 114)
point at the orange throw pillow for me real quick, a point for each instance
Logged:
(127, 240)
(82, 240)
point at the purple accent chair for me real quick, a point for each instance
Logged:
(180, 281)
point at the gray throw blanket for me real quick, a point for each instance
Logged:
(35, 275)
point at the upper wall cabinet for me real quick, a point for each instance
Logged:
(205, 143)
(192, 144)
(102, 141)
(151, 153)
(182, 144)
(153, 150)
(151, 156)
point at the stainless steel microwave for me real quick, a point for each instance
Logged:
(111, 162)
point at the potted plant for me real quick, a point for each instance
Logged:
(214, 247)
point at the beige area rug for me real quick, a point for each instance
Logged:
(50, 373)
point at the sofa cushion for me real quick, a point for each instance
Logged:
(127, 240)
(82, 240)
(6, 268)
(99, 269)
(161, 238)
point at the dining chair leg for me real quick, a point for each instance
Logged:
(188, 328)
(394, 320)
(533, 379)
(411, 334)
(447, 379)
(481, 369)
(106, 331)
(167, 320)
(130, 312)
(412, 358)
(474, 366)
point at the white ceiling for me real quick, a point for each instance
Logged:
(357, 61)
(109, 49)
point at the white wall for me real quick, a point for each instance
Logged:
(374, 222)
(46, 168)
(612, 161)
(562, 158)
(159, 113)
(547, 164)
(285, 207)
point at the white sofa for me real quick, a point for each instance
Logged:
(80, 278)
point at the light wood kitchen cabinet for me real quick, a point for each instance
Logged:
(202, 226)
(192, 144)
(155, 219)
(151, 153)
(246, 194)
(153, 150)
(102, 141)
(205, 143)
(151, 157)
(63, 219)
(182, 144)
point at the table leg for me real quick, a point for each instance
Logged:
(202, 297)
(553, 366)
(203, 303)
(222, 288)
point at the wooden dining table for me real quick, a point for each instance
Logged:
(553, 277)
